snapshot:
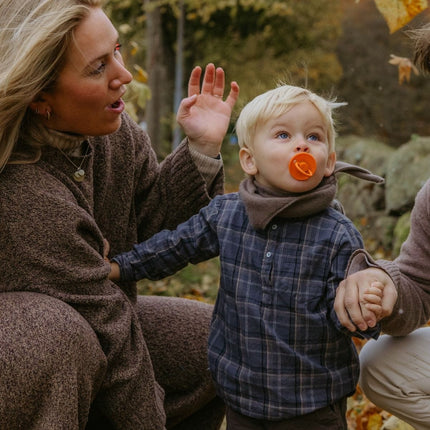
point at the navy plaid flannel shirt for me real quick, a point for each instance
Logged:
(276, 347)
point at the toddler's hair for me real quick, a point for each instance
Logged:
(275, 103)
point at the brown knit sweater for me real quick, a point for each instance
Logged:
(410, 271)
(51, 241)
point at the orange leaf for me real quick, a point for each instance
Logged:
(398, 13)
(405, 66)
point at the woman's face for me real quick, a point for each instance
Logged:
(86, 98)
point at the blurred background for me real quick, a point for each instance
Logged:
(337, 48)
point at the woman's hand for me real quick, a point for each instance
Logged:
(352, 299)
(204, 115)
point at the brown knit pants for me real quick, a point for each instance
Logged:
(51, 364)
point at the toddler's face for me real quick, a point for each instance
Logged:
(301, 129)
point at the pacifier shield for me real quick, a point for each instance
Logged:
(302, 166)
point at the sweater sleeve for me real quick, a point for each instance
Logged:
(169, 192)
(409, 271)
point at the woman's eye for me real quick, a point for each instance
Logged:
(117, 49)
(100, 69)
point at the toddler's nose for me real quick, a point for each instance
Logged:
(302, 146)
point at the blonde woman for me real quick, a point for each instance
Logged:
(77, 350)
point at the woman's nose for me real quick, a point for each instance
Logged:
(123, 77)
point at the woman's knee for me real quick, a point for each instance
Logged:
(370, 361)
(44, 346)
(390, 362)
(36, 323)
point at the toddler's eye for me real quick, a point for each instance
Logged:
(314, 137)
(283, 135)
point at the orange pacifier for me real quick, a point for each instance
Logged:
(302, 166)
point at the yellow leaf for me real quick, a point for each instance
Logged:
(375, 422)
(405, 66)
(398, 13)
(141, 75)
(134, 48)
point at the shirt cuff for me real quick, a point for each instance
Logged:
(360, 260)
(207, 166)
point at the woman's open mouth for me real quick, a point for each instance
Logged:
(117, 106)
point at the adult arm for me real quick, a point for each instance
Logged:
(203, 115)
(406, 294)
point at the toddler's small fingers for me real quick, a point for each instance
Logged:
(372, 298)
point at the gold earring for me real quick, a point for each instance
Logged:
(48, 114)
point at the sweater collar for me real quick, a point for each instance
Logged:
(67, 142)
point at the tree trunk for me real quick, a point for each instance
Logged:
(179, 71)
(156, 109)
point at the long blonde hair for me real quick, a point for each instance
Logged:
(34, 38)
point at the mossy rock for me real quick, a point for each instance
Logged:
(359, 197)
(407, 171)
(401, 232)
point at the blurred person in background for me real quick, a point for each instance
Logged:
(395, 369)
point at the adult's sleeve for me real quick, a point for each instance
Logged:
(409, 271)
(169, 192)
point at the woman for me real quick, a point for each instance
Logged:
(76, 350)
(395, 370)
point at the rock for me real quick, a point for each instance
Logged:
(407, 171)
(401, 231)
(361, 198)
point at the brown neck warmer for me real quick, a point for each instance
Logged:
(263, 204)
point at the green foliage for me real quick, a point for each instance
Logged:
(277, 40)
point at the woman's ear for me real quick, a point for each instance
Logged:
(331, 161)
(247, 161)
(39, 105)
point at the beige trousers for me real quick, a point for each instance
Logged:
(395, 375)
